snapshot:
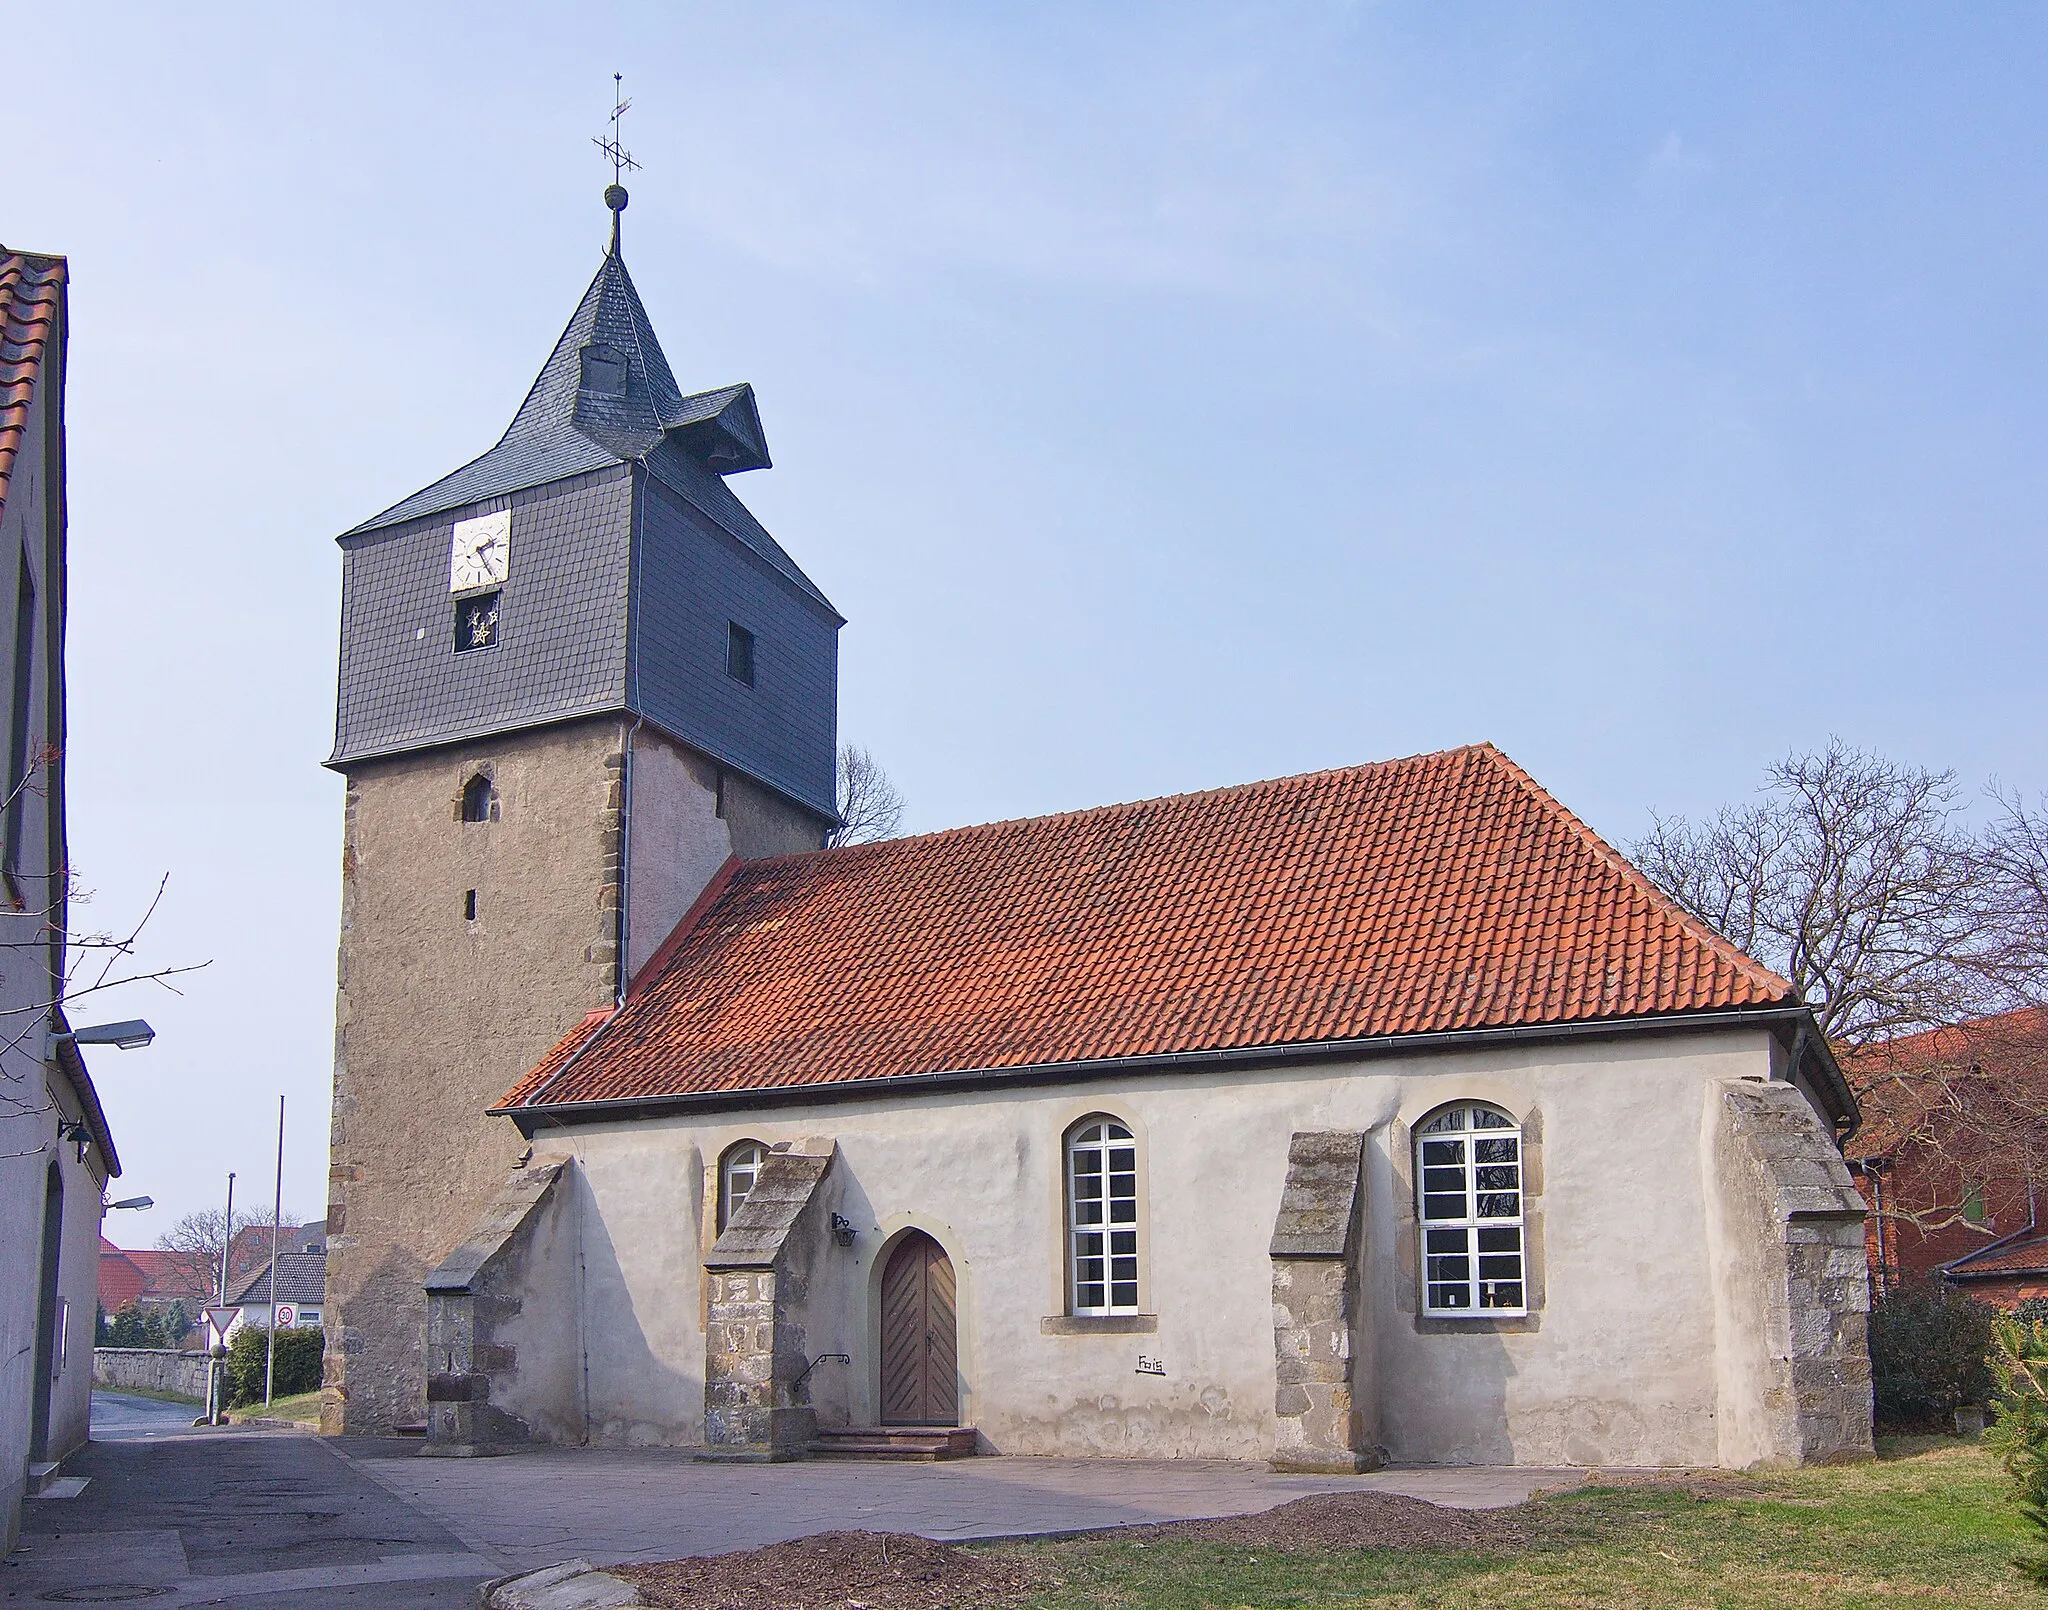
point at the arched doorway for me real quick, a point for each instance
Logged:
(49, 1314)
(920, 1335)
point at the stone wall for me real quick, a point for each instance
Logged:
(152, 1369)
(756, 1341)
(1326, 1401)
(1794, 1358)
(504, 1324)
(436, 1016)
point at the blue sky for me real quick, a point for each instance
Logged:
(1169, 395)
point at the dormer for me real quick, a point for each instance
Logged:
(721, 430)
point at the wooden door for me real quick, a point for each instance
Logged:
(920, 1338)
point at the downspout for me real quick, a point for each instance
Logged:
(622, 974)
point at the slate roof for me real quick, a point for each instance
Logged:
(31, 305)
(563, 429)
(1438, 893)
(301, 1278)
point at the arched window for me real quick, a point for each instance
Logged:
(478, 798)
(737, 1171)
(1102, 1218)
(1468, 1186)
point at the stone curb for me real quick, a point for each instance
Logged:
(571, 1585)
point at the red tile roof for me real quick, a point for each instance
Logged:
(1989, 1069)
(2025, 1254)
(1442, 892)
(31, 299)
(121, 1279)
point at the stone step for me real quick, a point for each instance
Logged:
(41, 1475)
(913, 1443)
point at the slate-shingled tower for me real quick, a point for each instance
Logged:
(576, 676)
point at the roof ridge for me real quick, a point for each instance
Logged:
(970, 829)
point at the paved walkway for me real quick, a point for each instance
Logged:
(548, 1504)
(247, 1516)
(230, 1516)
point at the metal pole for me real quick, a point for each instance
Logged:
(276, 1216)
(218, 1410)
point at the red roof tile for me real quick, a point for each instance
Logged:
(2024, 1255)
(31, 298)
(1442, 892)
(1908, 1087)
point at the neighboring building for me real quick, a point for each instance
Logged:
(576, 676)
(1383, 1112)
(122, 1279)
(301, 1289)
(56, 1153)
(155, 1277)
(1955, 1128)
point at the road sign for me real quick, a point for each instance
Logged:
(220, 1319)
(287, 1316)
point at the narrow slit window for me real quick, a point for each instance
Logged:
(1468, 1186)
(739, 653)
(469, 905)
(1102, 1218)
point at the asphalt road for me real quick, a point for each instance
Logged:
(175, 1515)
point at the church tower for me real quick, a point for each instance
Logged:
(576, 676)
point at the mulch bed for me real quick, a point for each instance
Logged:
(895, 1571)
(1350, 1521)
(835, 1571)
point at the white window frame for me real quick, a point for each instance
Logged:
(1465, 1253)
(742, 1156)
(1103, 1208)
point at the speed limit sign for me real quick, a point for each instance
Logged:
(287, 1315)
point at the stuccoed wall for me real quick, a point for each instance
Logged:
(680, 838)
(436, 1017)
(78, 1282)
(28, 1138)
(1616, 1367)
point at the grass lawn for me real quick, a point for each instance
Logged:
(303, 1407)
(1928, 1522)
(151, 1393)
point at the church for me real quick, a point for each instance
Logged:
(1383, 1113)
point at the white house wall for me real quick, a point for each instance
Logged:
(1618, 1365)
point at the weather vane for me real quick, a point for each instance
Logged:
(620, 158)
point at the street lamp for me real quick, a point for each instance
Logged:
(131, 1202)
(126, 1036)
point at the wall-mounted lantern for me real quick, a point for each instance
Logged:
(842, 1229)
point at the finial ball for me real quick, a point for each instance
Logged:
(615, 197)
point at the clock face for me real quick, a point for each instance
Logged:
(482, 552)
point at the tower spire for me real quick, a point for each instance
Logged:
(620, 158)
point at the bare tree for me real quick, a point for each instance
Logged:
(1858, 880)
(870, 806)
(1906, 931)
(197, 1238)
